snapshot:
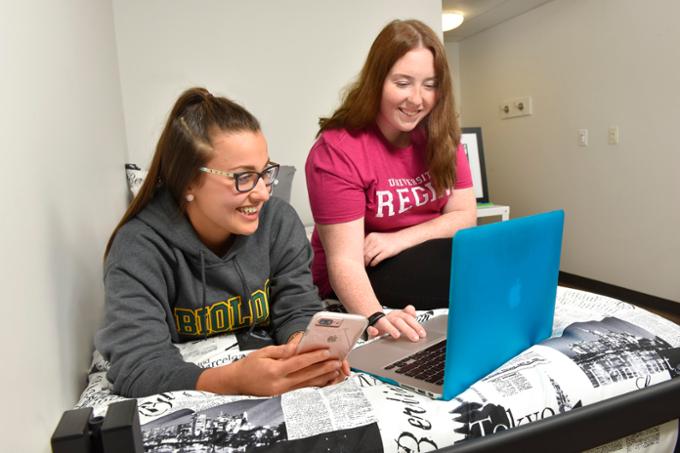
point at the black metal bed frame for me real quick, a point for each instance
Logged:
(588, 426)
(579, 429)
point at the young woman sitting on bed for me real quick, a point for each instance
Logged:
(203, 250)
(389, 184)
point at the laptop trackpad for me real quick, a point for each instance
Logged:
(386, 350)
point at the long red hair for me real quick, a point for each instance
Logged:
(361, 102)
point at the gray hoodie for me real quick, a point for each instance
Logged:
(164, 286)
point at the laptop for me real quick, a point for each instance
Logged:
(501, 302)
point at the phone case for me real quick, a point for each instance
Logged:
(336, 331)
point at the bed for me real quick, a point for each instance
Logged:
(608, 375)
(606, 379)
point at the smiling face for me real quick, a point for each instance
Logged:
(409, 94)
(218, 210)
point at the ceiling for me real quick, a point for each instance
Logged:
(483, 14)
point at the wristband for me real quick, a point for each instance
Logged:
(375, 317)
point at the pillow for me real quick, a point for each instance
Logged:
(135, 177)
(284, 182)
(282, 187)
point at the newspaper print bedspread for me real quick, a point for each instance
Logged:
(600, 348)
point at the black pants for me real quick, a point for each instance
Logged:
(419, 276)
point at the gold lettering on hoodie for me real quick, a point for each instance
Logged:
(225, 315)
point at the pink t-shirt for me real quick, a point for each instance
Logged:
(350, 176)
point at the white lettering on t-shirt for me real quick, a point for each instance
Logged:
(425, 199)
(408, 198)
(384, 200)
(403, 200)
(418, 194)
(401, 182)
(434, 194)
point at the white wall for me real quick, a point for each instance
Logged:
(588, 64)
(285, 61)
(453, 58)
(63, 189)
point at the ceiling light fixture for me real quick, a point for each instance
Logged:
(451, 21)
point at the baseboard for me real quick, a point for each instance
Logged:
(627, 295)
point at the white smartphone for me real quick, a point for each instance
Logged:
(337, 332)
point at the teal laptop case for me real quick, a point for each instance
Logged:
(502, 294)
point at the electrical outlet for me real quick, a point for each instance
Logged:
(504, 110)
(522, 106)
(512, 108)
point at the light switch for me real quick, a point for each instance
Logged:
(613, 135)
(582, 135)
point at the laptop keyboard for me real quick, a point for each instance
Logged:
(427, 365)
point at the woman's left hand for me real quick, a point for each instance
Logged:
(344, 367)
(380, 246)
(344, 373)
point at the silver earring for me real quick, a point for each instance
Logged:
(189, 197)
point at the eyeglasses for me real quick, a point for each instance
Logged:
(247, 180)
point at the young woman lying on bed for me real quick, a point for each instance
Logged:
(203, 250)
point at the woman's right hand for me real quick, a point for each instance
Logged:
(346, 256)
(272, 370)
(398, 322)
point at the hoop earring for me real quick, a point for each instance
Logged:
(189, 197)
